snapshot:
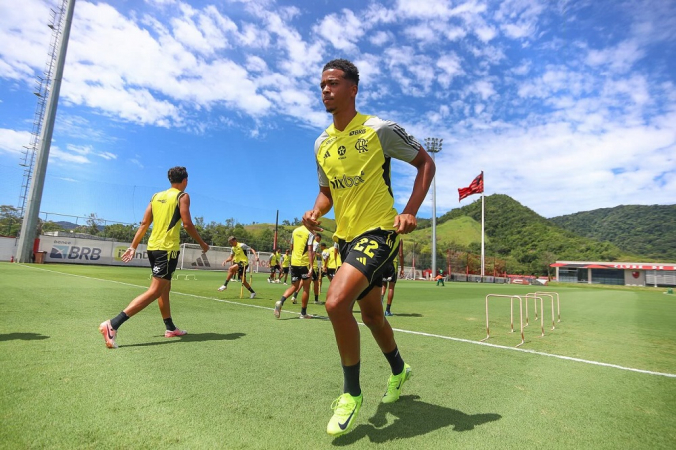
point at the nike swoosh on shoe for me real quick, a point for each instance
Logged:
(344, 425)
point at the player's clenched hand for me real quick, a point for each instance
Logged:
(405, 223)
(128, 254)
(311, 220)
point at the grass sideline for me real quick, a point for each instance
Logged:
(242, 379)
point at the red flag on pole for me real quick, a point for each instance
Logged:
(475, 187)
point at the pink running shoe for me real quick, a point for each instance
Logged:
(108, 333)
(175, 333)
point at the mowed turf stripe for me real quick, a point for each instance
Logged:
(418, 333)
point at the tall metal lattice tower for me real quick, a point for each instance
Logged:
(43, 85)
(38, 156)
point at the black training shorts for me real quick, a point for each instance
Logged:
(370, 253)
(389, 274)
(299, 273)
(163, 263)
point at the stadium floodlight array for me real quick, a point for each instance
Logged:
(511, 303)
(542, 311)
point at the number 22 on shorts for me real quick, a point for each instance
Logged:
(368, 250)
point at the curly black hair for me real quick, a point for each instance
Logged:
(177, 174)
(350, 71)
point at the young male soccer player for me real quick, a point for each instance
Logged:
(275, 267)
(302, 254)
(166, 210)
(240, 262)
(286, 263)
(353, 160)
(390, 281)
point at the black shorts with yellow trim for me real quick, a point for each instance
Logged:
(390, 274)
(163, 263)
(241, 268)
(299, 273)
(370, 253)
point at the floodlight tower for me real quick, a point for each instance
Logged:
(30, 213)
(434, 146)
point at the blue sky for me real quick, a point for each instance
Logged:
(566, 106)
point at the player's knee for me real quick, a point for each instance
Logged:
(372, 320)
(334, 306)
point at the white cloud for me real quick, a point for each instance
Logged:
(450, 66)
(380, 38)
(57, 155)
(29, 38)
(13, 141)
(334, 28)
(484, 88)
(619, 58)
(107, 155)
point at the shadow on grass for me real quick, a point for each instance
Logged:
(412, 418)
(194, 337)
(314, 317)
(23, 337)
(407, 315)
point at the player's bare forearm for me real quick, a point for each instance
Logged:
(192, 231)
(323, 205)
(406, 221)
(128, 255)
(186, 218)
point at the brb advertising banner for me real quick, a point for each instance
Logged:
(89, 251)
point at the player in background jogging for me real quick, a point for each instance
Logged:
(240, 263)
(302, 254)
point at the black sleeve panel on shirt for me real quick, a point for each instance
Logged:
(177, 212)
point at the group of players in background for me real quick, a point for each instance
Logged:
(353, 167)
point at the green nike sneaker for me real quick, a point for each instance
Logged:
(396, 383)
(345, 409)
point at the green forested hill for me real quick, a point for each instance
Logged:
(648, 231)
(528, 241)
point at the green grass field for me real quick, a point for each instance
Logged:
(243, 380)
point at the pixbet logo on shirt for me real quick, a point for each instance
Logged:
(347, 182)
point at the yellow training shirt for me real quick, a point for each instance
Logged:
(166, 218)
(355, 165)
(301, 239)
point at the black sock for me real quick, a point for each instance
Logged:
(303, 311)
(118, 320)
(351, 380)
(283, 299)
(250, 290)
(388, 307)
(169, 324)
(395, 360)
(316, 297)
(226, 282)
